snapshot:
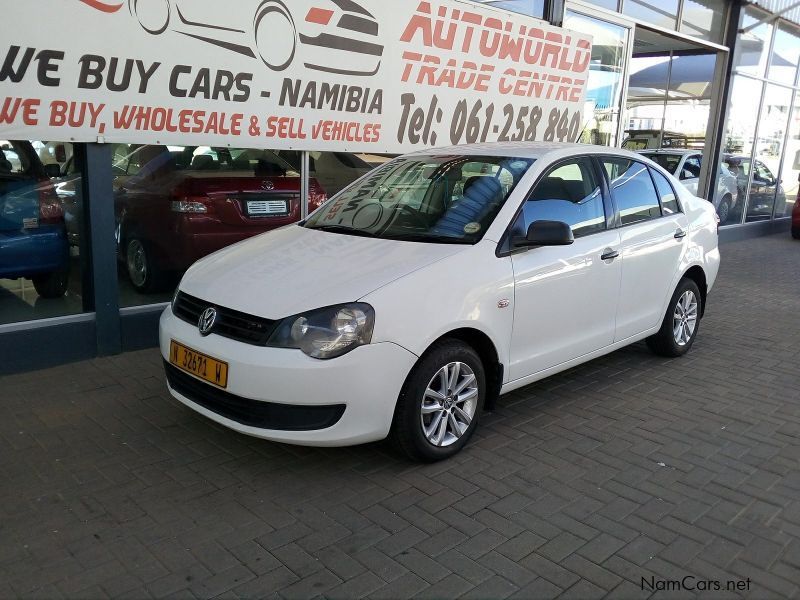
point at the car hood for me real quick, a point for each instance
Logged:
(294, 269)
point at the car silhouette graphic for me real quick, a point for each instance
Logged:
(331, 34)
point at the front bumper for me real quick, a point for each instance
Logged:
(366, 381)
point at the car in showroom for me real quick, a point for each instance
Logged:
(686, 165)
(411, 300)
(178, 204)
(33, 238)
(766, 192)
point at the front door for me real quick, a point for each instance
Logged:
(565, 297)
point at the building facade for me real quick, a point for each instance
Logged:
(708, 88)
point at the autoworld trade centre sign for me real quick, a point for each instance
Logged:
(363, 75)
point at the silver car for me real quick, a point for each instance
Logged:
(686, 165)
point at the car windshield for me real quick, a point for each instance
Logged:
(669, 162)
(443, 199)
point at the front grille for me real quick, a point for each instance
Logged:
(230, 323)
(253, 413)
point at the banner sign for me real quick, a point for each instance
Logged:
(347, 75)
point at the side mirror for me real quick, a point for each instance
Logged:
(546, 233)
(52, 170)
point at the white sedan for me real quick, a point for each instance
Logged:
(440, 280)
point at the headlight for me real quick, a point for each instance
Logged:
(327, 332)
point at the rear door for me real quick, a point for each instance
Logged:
(652, 241)
(19, 198)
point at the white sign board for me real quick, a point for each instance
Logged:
(357, 75)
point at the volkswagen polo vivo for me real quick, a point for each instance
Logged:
(412, 299)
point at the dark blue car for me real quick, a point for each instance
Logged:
(33, 237)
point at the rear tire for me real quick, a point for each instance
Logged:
(796, 233)
(681, 323)
(440, 403)
(52, 285)
(145, 276)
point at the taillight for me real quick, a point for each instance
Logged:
(51, 211)
(187, 205)
(185, 202)
(316, 196)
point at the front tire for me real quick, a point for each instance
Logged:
(440, 403)
(681, 323)
(724, 210)
(796, 233)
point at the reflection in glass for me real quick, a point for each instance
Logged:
(752, 47)
(740, 131)
(40, 274)
(663, 13)
(766, 191)
(604, 93)
(669, 101)
(790, 173)
(785, 55)
(704, 19)
(177, 204)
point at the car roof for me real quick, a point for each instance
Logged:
(535, 150)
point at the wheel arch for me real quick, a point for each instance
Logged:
(487, 351)
(698, 275)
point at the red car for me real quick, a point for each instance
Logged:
(179, 204)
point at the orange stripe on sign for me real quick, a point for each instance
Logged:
(105, 7)
(320, 16)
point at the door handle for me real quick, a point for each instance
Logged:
(609, 254)
(680, 234)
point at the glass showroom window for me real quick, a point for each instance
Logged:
(740, 135)
(790, 171)
(534, 8)
(785, 55)
(604, 90)
(663, 13)
(40, 223)
(704, 19)
(752, 46)
(176, 204)
(766, 191)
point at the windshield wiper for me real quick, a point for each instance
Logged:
(343, 229)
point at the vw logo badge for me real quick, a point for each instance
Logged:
(207, 321)
(267, 186)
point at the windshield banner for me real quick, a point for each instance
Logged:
(348, 75)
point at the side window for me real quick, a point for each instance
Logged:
(669, 202)
(691, 168)
(763, 173)
(569, 193)
(633, 190)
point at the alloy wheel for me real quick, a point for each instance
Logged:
(684, 320)
(137, 263)
(449, 404)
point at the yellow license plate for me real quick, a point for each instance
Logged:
(198, 364)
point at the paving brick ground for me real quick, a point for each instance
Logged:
(579, 486)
